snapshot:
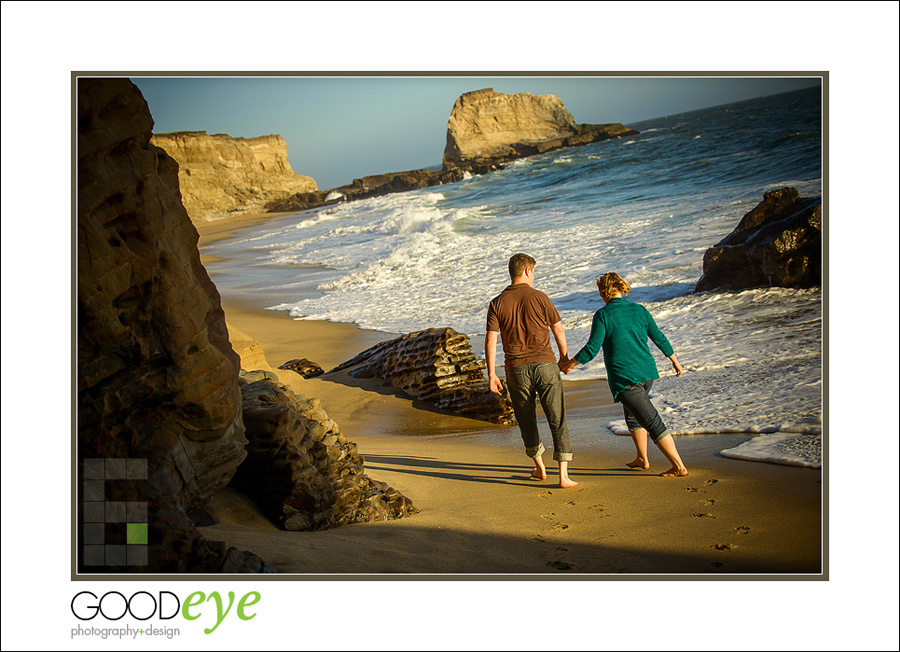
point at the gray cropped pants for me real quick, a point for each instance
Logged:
(539, 381)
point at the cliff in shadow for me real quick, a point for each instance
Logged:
(161, 407)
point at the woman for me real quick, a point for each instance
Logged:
(621, 329)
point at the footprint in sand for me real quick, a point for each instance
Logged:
(600, 507)
(717, 564)
(561, 565)
(545, 494)
(537, 537)
(709, 501)
(742, 529)
(711, 481)
(560, 526)
(724, 546)
(702, 515)
(690, 489)
(570, 502)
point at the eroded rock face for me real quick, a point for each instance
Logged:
(157, 377)
(437, 366)
(301, 470)
(222, 176)
(777, 244)
(487, 129)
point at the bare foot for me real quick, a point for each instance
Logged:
(566, 483)
(539, 473)
(674, 473)
(638, 463)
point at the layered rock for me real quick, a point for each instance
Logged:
(436, 366)
(778, 243)
(487, 129)
(301, 470)
(157, 377)
(222, 176)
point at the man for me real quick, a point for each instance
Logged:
(524, 318)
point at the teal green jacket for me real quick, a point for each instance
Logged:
(621, 329)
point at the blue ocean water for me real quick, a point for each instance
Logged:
(646, 207)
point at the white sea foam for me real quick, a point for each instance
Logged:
(424, 259)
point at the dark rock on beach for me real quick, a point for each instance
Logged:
(777, 244)
(301, 470)
(436, 366)
(306, 368)
(371, 186)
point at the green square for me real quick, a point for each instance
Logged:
(136, 533)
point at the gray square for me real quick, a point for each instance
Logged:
(115, 512)
(137, 469)
(116, 468)
(94, 512)
(95, 469)
(94, 533)
(94, 491)
(115, 555)
(94, 555)
(136, 512)
(137, 555)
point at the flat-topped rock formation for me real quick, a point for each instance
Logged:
(778, 243)
(221, 176)
(437, 366)
(487, 129)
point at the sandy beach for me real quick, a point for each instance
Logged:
(480, 514)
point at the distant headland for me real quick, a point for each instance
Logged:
(221, 176)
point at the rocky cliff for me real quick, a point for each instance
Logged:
(778, 243)
(160, 409)
(487, 129)
(222, 176)
(157, 377)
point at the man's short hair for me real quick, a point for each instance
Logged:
(518, 264)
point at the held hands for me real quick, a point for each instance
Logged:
(565, 364)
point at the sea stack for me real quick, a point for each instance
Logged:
(487, 129)
(221, 176)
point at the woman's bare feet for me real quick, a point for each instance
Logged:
(538, 474)
(674, 473)
(638, 463)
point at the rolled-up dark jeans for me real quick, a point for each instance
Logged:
(640, 412)
(541, 381)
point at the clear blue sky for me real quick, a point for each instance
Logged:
(341, 128)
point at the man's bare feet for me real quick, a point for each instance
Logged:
(566, 483)
(674, 473)
(638, 463)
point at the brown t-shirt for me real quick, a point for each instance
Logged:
(523, 316)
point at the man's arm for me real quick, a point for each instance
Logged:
(559, 334)
(490, 356)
